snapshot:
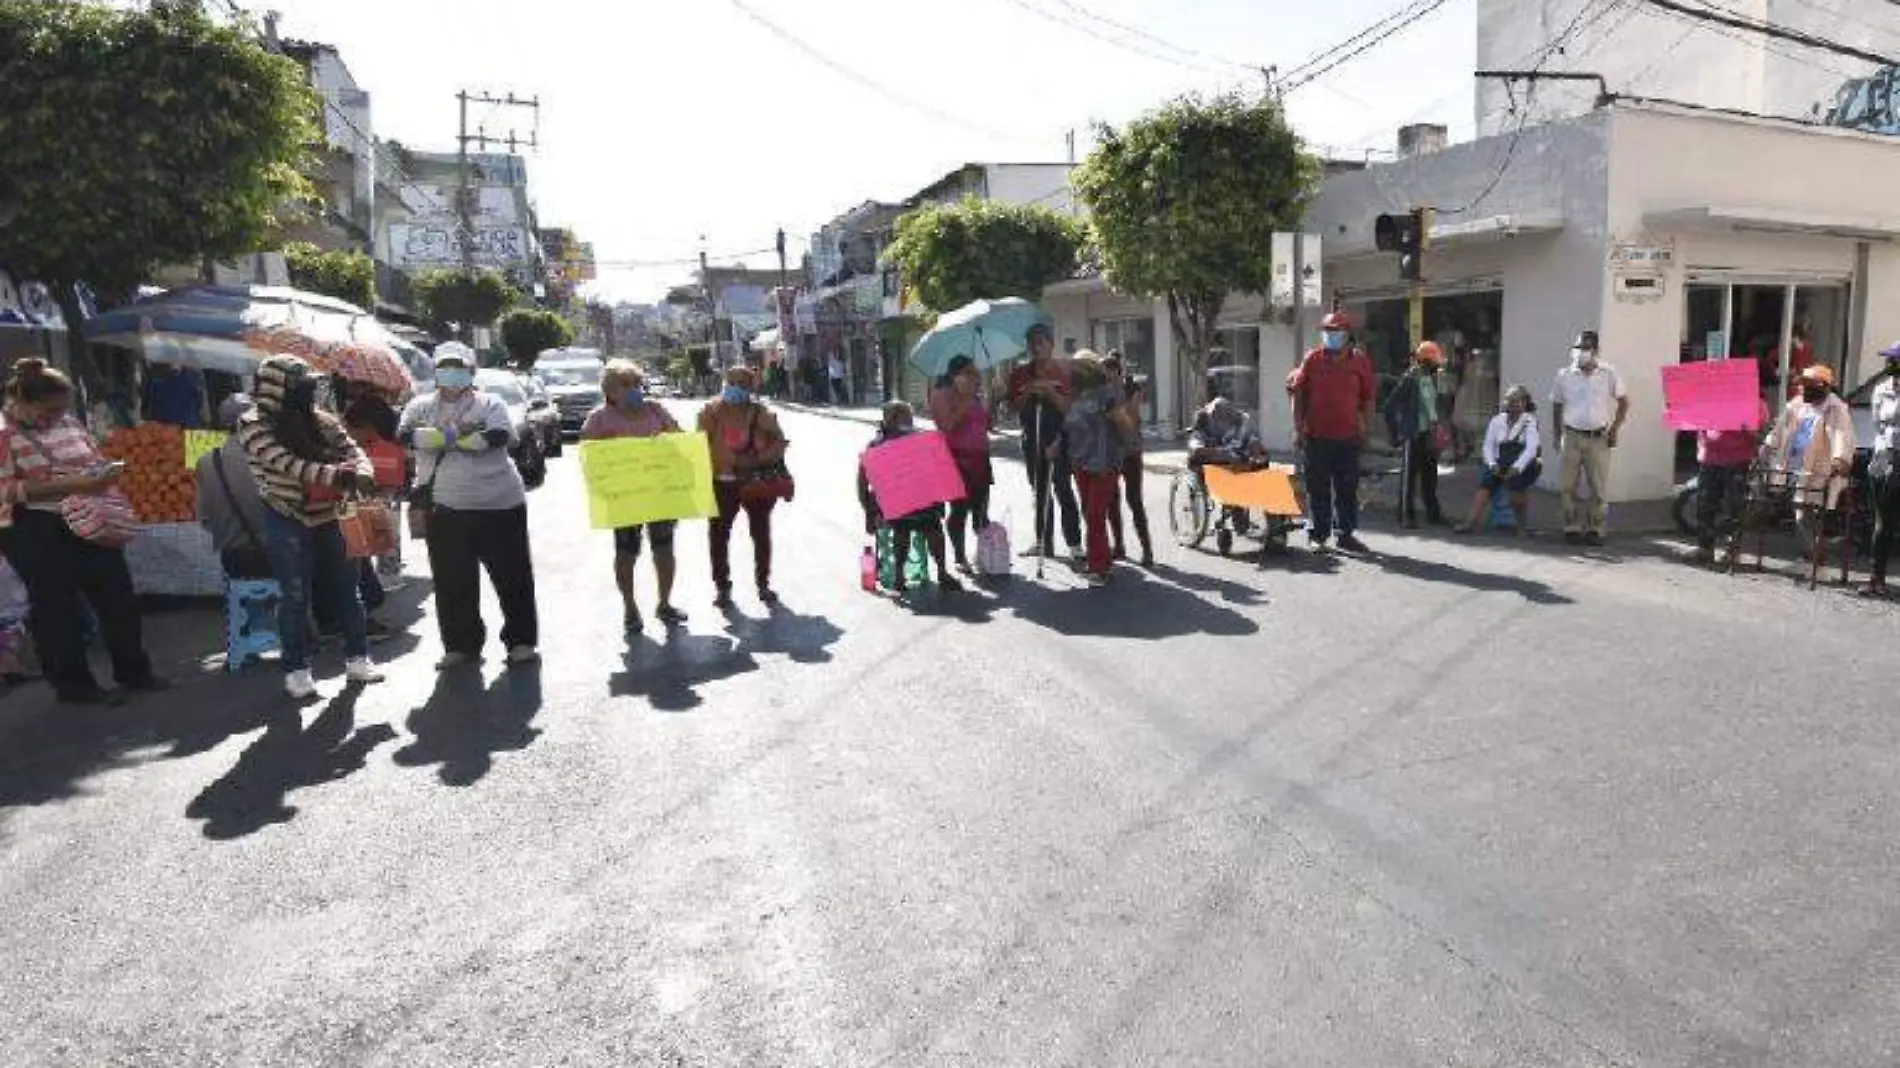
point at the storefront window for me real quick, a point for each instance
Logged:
(1465, 326)
(1135, 339)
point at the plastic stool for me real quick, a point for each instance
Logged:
(250, 620)
(1501, 517)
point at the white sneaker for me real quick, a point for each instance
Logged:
(360, 671)
(299, 685)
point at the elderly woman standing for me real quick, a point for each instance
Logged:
(478, 512)
(745, 440)
(46, 457)
(956, 406)
(1813, 445)
(1097, 428)
(304, 463)
(628, 413)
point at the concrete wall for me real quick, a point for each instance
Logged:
(1647, 51)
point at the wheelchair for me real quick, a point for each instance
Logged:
(1194, 512)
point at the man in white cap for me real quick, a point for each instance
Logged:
(1587, 408)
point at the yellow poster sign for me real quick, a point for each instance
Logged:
(200, 442)
(643, 480)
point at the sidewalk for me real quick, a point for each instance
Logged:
(1165, 456)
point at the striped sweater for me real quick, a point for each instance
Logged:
(298, 488)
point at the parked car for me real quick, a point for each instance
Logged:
(527, 452)
(542, 414)
(573, 382)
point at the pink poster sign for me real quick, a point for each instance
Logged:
(911, 473)
(1712, 395)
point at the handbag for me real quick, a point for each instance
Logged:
(368, 531)
(767, 482)
(992, 550)
(105, 518)
(1441, 438)
(389, 463)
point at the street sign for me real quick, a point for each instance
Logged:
(1280, 293)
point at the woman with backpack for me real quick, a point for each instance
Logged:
(749, 475)
(63, 527)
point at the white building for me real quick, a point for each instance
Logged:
(1677, 234)
(1644, 50)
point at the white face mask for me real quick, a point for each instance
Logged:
(1584, 357)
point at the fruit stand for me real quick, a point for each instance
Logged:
(172, 556)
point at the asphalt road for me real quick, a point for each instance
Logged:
(1457, 804)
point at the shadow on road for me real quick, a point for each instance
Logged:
(465, 723)
(1430, 571)
(668, 674)
(1228, 591)
(47, 750)
(286, 757)
(1131, 606)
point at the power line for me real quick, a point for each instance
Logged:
(1126, 46)
(1769, 46)
(1163, 42)
(1517, 135)
(1318, 57)
(863, 80)
(1366, 46)
(1769, 29)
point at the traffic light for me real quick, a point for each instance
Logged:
(1405, 235)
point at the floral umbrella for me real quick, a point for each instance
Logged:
(232, 328)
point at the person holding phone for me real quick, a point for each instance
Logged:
(47, 458)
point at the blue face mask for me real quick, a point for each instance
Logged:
(454, 378)
(735, 395)
(633, 398)
(1333, 340)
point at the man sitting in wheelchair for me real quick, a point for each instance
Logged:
(1224, 435)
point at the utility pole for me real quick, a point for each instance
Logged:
(1415, 297)
(465, 197)
(782, 305)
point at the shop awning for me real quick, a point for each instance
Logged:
(1774, 220)
(766, 341)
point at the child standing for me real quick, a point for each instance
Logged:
(899, 421)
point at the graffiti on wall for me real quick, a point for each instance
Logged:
(1871, 104)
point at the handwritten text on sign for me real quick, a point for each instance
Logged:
(912, 473)
(1712, 395)
(644, 480)
(1269, 490)
(200, 442)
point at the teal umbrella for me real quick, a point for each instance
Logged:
(990, 332)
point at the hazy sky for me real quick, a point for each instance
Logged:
(664, 121)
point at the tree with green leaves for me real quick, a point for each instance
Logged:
(137, 138)
(1184, 201)
(463, 298)
(952, 254)
(528, 332)
(345, 275)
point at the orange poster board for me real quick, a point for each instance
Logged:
(1270, 490)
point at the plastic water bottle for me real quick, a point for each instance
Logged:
(867, 570)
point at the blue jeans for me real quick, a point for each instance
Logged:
(311, 562)
(1332, 486)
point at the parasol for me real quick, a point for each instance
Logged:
(231, 328)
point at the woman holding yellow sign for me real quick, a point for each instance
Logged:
(628, 413)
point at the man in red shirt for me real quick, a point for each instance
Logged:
(1333, 390)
